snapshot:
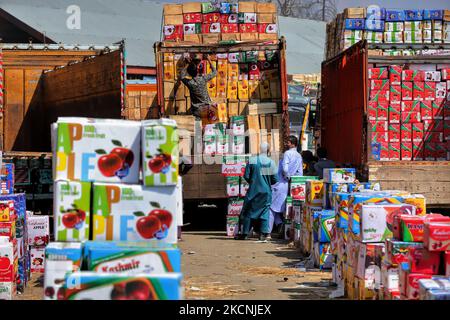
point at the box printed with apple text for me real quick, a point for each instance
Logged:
(97, 150)
(122, 286)
(135, 213)
(160, 152)
(71, 205)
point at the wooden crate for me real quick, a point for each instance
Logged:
(265, 7)
(267, 18)
(172, 9)
(267, 36)
(231, 36)
(175, 19)
(249, 36)
(192, 7)
(354, 13)
(248, 6)
(194, 38)
(262, 108)
(210, 38)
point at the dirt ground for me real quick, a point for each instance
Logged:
(217, 267)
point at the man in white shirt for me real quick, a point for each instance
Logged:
(290, 165)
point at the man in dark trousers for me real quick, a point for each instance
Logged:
(323, 162)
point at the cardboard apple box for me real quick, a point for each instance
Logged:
(122, 286)
(232, 186)
(160, 152)
(378, 73)
(38, 229)
(394, 132)
(135, 213)
(407, 90)
(394, 113)
(97, 150)
(8, 250)
(71, 205)
(394, 150)
(37, 258)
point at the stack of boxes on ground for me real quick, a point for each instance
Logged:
(390, 26)
(208, 22)
(115, 224)
(14, 237)
(379, 244)
(409, 112)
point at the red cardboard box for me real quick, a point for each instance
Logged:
(426, 111)
(173, 32)
(432, 136)
(211, 27)
(395, 94)
(437, 107)
(412, 284)
(378, 110)
(417, 150)
(378, 73)
(417, 131)
(379, 95)
(380, 137)
(248, 28)
(192, 18)
(429, 151)
(407, 91)
(379, 84)
(447, 263)
(384, 151)
(435, 125)
(410, 117)
(406, 150)
(412, 228)
(437, 236)
(394, 132)
(395, 75)
(447, 110)
(415, 106)
(379, 125)
(209, 18)
(419, 90)
(267, 28)
(228, 18)
(407, 106)
(441, 151)
(406, 132)
(413, 75)
(394, 113)
(229, 28)
(394, 150)
(430, 90)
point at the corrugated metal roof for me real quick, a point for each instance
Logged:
(104, 22)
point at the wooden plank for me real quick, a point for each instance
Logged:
(277, 121)
(268, 120)
(233, 109)
(13, 106)
(262, 121)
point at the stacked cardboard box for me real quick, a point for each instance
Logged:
(407, 112)
(209, 23)
(392, 26)
(131, 214)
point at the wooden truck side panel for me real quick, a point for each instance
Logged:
(25, 115)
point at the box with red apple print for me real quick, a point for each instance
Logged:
(410, 117)
(89, 285)
(426, 111)
(228, 18)
(395, 94)
(8, 260)
(441, 151)
(211, 18)
(447, 130)
(378, 73)
(417, 131)
(211, 27)
(378, 110)
(173, 32)
(38, 229)
(407, 90)
(192, 18)
(71, 210)
(134, 213)
(406, 150)
(384, 150)
(395, 74)
(418, 90)
(437, 108)
(267, 28)
(394, 113)
(379, 84)
(37, 257)
(394, 132)
(379, 95)
(229, 28)
(298, 187)
(97, 150)
(394, 150)
(413, 75)
(429, 90)
(406, 132)
(378, 125)
(248, 28)
(160, 152)
(429, 151)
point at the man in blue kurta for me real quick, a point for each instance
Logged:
(291, 165)
(260, 173)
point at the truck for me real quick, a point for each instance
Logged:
(42, 82)
(344, 125)
(204, 183)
